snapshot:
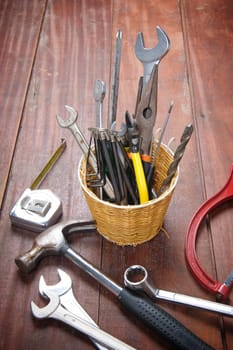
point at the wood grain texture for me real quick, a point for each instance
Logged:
(62, 48)
(20, 24)
(209, 49)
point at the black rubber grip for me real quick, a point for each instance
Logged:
(160, 321)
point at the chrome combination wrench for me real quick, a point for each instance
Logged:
(64, 307)
(136, 278)
(67, 299)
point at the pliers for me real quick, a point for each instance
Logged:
(134, 149)
(146, 111)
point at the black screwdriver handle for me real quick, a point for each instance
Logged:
(160, 321)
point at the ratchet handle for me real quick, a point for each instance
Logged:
(161, 322)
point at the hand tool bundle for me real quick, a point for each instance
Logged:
(122, 163)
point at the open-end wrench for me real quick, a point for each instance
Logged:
(150, 57)
(56, 311)
(71, 124)
(67, 299)
(99, 92)
(146, 106)
(136, 278)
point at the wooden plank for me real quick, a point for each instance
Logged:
(75, 48)
(209, 47)
(20, 26)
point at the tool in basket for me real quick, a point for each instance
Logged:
(136, 279)
(99, 92)
(112, 161)
(178, 155)
(148, 218)
(146, 108)
(151, 169)
(115, 80)
(37, 209)
(152, 56)
(221, 290)
(71, 124)
(134, 150)
(53, 242)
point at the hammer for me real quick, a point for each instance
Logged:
(53, 242)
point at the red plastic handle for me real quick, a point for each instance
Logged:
(226, 193)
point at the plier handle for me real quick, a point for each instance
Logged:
(134, 148)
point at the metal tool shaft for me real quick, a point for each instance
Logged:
(177, 157)
(139, 274)
(80, 138)
(199, 303)
(150, 314)
(93, 271)
(99, 92)
(115, 79)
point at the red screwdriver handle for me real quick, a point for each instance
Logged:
(226, 193)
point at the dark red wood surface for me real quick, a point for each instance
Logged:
(51, 54)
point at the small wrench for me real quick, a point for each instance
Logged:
(56, 311)
(150, 57)
(136, 278)
(99, 92)
(71, 124)
(146, 105)
(64, 290)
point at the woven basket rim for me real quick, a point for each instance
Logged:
(131, 206)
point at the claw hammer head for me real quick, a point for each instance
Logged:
(156, 53)
(73, 115)
(51, 242)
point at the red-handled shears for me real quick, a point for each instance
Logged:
(221, 290)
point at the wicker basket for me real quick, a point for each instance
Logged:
(132, 224)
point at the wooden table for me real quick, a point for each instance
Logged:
(51, 54)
